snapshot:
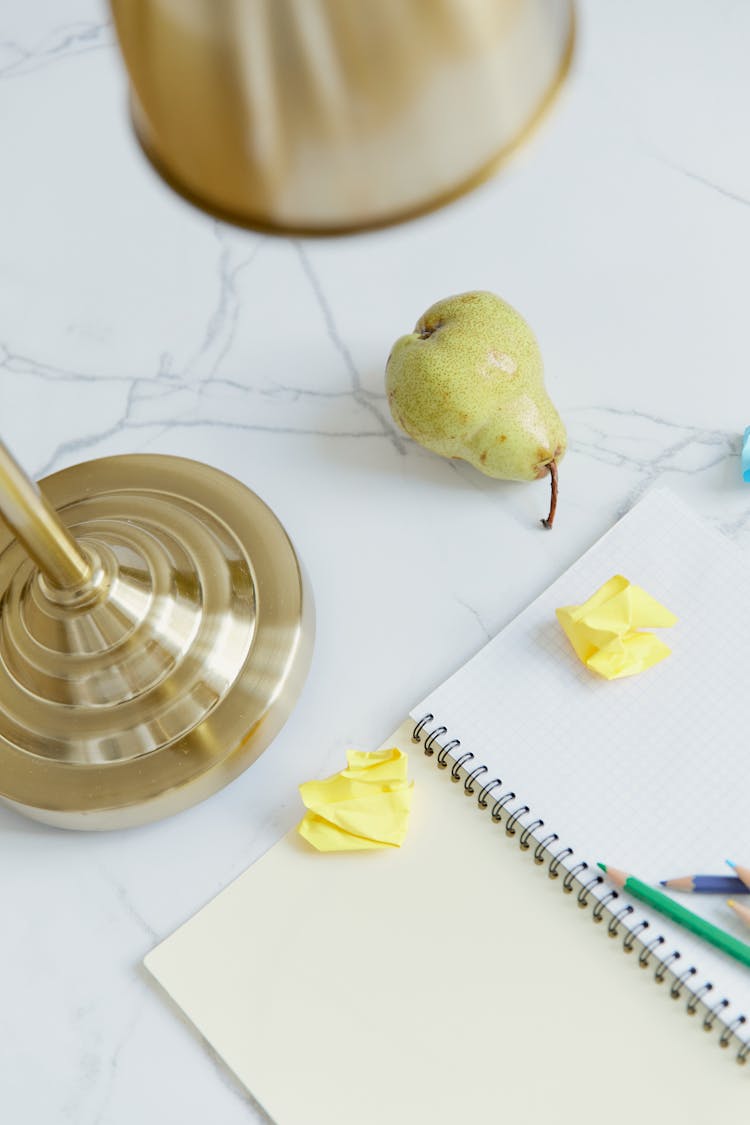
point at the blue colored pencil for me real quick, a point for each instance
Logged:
(707, 884)
(743, 872)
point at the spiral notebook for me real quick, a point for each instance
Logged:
(461, 975)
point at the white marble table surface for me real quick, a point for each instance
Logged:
(130, 322)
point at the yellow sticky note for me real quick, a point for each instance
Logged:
(364, 806)
(605, 630)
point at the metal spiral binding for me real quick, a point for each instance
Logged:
(652, 949)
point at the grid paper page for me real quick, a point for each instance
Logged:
(650, 773)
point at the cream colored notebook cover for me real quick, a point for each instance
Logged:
(451, 981)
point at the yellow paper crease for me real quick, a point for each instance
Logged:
(604, 631)
(364, 806)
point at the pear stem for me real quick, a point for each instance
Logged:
(553, 495)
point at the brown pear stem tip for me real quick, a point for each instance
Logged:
(553, 495)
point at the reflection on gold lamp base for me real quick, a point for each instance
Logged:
(155, 632)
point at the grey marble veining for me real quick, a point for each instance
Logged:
(19, 57)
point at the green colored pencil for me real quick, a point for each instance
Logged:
(680, 914)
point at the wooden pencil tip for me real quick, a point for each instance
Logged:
(730, 863)
(731, 902)
(603, 866)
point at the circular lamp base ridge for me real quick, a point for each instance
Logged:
(153, 677)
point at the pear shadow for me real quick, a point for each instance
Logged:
(382, 448)
(428, 472)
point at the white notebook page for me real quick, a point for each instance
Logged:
(650, 773)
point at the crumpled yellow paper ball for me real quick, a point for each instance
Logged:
(365, 806)
(604, 630)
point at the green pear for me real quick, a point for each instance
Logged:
(468, 382)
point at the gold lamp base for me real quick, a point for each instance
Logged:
(155, 631)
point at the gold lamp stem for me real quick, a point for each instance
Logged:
(37, 526)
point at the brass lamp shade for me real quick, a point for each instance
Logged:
(335, 115)
(155, 631)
